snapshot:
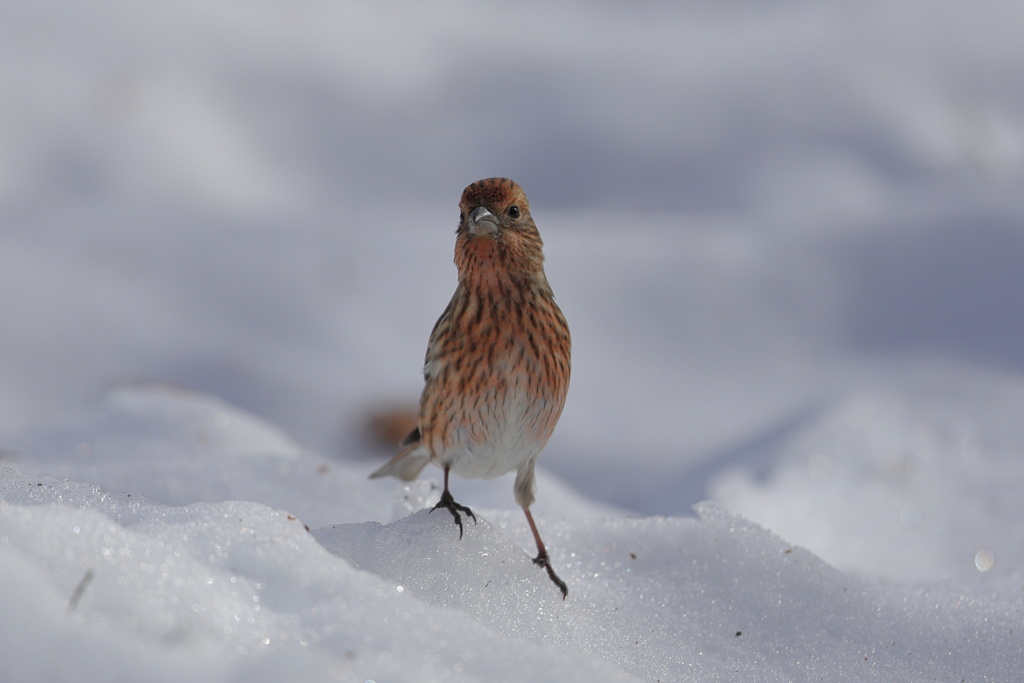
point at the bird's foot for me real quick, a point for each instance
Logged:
(543, 560)
(449, 504)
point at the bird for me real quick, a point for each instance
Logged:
(497, 366)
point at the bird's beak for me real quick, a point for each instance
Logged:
(482, 222)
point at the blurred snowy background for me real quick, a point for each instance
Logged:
(788, 237)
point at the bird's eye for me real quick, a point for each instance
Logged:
(513, 211)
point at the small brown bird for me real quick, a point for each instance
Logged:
(497, 365)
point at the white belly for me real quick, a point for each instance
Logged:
(493, 445)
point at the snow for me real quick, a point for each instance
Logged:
(934, 471)
(152, 586)
(787, 239)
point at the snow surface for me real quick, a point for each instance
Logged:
(217, 579)
(788, 237)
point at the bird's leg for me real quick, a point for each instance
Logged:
(542, 558)
(449, 504)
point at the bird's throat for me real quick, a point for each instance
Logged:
(486, 263)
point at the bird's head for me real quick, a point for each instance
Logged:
(495, 208)
(496, 234)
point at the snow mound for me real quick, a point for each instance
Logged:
(916, 483)
(717, 598)
(236, 588)
(178, 447)
(128, 586)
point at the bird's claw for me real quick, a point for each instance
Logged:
(449, 504)
(542, 560)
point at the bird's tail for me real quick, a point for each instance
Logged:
(407, 463)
